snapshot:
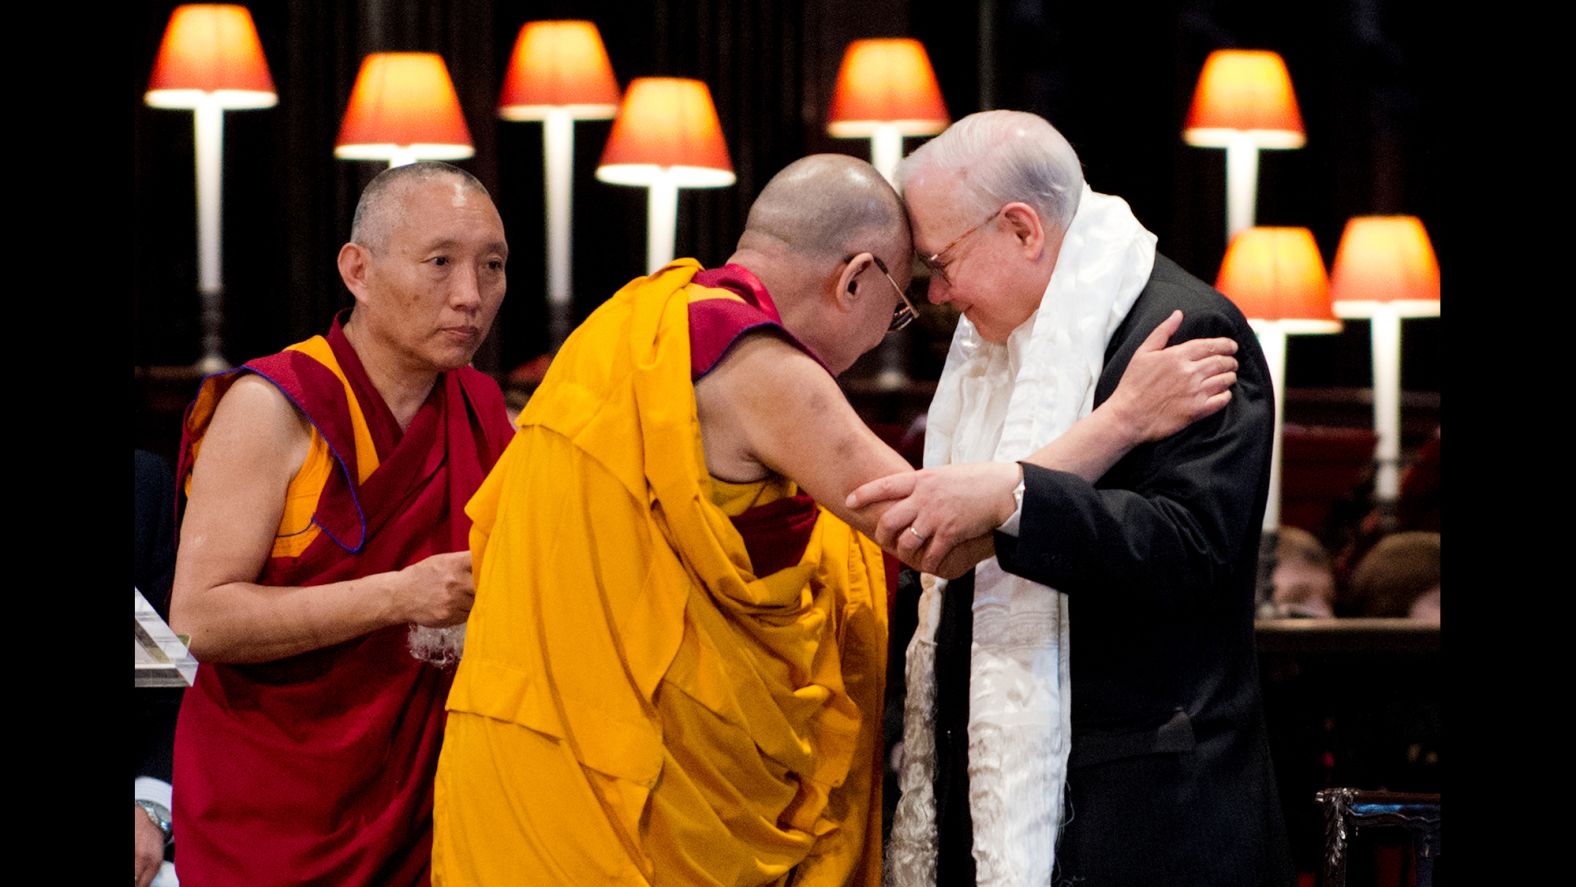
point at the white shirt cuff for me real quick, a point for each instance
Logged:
(156, 790)
(1010, 525)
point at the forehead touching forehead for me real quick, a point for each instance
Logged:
(385, 204)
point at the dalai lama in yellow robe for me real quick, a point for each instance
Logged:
(673, 670)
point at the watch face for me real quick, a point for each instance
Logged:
(158, 813)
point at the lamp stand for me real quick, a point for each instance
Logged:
(1242, 184)
(662, 214)
(558, 153)
(886, 151)
(1385, 329)
(208, 135)
(1272, 341)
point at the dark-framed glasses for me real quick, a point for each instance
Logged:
(903, 313)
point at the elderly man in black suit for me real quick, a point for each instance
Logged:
(1108, 645)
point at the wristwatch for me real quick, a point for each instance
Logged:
(160, 816)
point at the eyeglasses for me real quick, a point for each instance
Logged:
(902, 314)
(933, 261)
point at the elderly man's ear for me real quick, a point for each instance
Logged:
(846, 293)
(353, 262)
(1026, 228)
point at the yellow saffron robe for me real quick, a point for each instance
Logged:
(635, 705)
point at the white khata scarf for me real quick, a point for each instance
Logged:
(1000, 403)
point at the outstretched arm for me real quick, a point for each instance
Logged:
(775, 404)
(1163, 390)
(254, 445)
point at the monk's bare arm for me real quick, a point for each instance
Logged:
(254, 445)
(785, 412)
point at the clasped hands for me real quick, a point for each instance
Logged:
(941, 518)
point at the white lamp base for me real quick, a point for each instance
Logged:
(662, 216)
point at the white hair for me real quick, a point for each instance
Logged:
(1005, 156)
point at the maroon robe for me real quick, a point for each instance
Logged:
(318, 768)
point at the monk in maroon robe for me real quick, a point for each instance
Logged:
(325, 519)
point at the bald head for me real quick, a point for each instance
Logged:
(828, 205)
(382, 205)
(818, 236)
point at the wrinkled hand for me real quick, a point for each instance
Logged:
(148, 852)
(437, 591)
(939, 509)
(1163, 390)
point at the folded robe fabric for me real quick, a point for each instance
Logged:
(636, 705)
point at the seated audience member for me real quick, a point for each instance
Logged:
(1304, 584)
(1398, 578)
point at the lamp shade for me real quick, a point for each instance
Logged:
(210, 52)
(403, 103)
(886, 82)
(560, 64)
(1385, 260)
(667, 127)
(1244, 93)
(1277, 274)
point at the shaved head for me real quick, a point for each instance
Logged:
(829, 238)
(829, 205)
(382, 206)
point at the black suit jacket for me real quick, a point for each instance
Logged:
(1169, 777)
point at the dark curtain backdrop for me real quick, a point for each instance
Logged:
(1115, 78)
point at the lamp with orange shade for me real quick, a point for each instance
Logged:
(210, 60)
(666, 136)
(1385, 269)
(886, 90)
(1243, 102)
(402, 109)
(1276, 276)
(558, 73)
